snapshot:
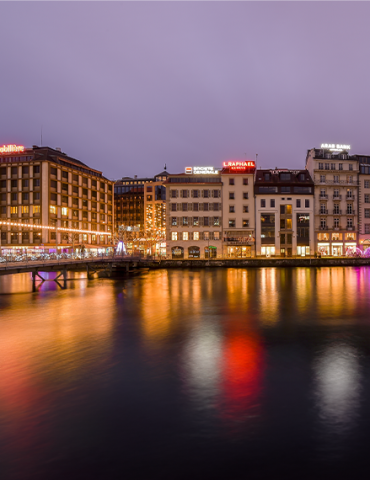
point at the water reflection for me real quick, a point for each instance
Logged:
(337, 386)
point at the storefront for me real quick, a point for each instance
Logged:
(210, 252)
(177, 253)
(239, 252)
(193, 252)
(337, 249)
(303, 250)
(323, 249)
(350, 248)
(268, 251)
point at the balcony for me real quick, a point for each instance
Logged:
(337, 197)
(323, 227)
(337, 212)
(352, 212)
(323, 212)
(323, 197)
(350, 197)
(350, 228)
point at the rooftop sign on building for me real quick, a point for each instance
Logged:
(335, 147)
(201, 170)
(239, 166)
(11, 149)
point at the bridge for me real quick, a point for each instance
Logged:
(62, 265)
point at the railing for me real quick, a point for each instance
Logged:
(323, 196)
(352, 212)
(337, 212)
(337, 197)
(325, 227)
(350, 197)
(323, 212)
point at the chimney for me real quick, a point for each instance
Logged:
(58, 149)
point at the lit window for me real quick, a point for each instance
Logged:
(174, 236)
(64, 211)
(206, 235)
(216, 235)
(53, 209)
(13, 210)
(196, 236)
(185, 235)
(36, 209)
(25, 209)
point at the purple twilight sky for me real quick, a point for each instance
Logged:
(128, 86)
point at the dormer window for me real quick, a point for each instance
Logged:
(285, 176)
(267, 177)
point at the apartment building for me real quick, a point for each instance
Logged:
(44, 191)
(194, 214)
(364, 201)
(238, 209)
(336, 177)
(284, 212)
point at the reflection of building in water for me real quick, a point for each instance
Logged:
(269, 296)
(337, 387)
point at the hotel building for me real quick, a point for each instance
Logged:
(238, 209)
(284, 213)
(194, 214)
(45, 191)
(364, 201)
(336, 177)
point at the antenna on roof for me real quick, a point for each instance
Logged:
(165, 166)
(41, 136)
(256, 159)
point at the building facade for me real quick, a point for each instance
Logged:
(364, 201)
(336, 178)
(238, 209)
(56, 200)
(284, 213)
(194, 215)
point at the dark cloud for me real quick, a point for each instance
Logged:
(127, 87)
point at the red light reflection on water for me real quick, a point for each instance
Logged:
(241, 375)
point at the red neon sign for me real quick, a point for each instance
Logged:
(232, 165)
(11, 149)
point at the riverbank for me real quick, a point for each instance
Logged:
(261, 262)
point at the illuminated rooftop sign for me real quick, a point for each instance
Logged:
(11, 149)
(335, 147)
(241, 166)
(201, 170)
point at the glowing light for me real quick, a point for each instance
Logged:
(232, 165)
(201, 170)
(335, 147)
(48, 227)
(11, 148)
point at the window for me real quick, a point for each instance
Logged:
(216, 193)
(206, 221)
(216, 207)
(298, 203)
(322, 208)
(322, 178)
(231, 181)
(14, 184)
(349, 208)
(245, 195)
(184, 207)
(64, 198)
(205, 207)
(36, 182)
(245, 209)
(174, 236)
(231, 223)
(14, 171)
(195, 221)
(336, 193)
(184, 193)
(263, 203)
(53, 209)
(205, 193)
(367, 227)
(367, 184)
(25, 183)
(13, 210)
(289, 223)
(285, 176)
(65, 176)
(367, 198)
(14, 197)
(336, 178)
(173, 207)
(245, 181)
(285, 189)
(231, 209)
(336, 222)
(216, 221)
(349, 222)
(367, 212)
(327, 166)
(267, 177)
(25, 209)
(36, 209)
(272, 203)
(341, 166)
(25, 196)
(245, 223)
(231, 196)
(206, 235)
(195, 207)
(350, 166)
(196, 236)
(321, 166)
(336, 208)
(185, 221)
(307, 203)
(64, 211)
(349, 179)
(74, 213)
(195, 193)
(323, 223)
(174, 221)
(216, 235)
(332, 166)
(185, 235)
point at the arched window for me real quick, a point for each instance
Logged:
(194, 252)
(210, 252)
(177, 253)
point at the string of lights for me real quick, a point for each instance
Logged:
(53, 228)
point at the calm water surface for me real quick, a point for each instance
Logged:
(225, 373)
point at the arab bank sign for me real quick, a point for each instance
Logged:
(335, 147)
